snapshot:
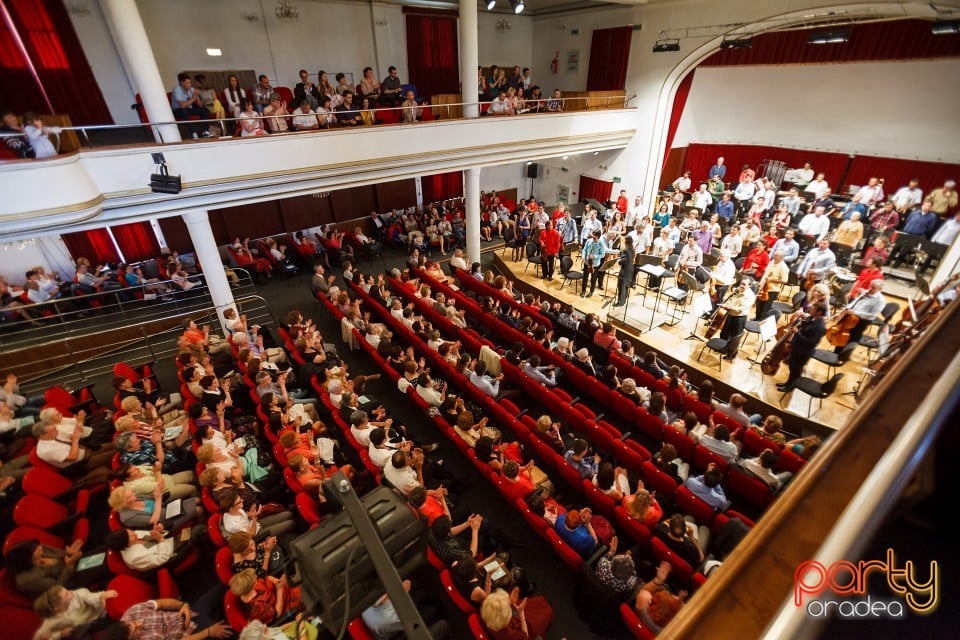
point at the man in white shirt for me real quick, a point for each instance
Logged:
(818, 262)
(458, 261)
(792, 202)
(908, 197)
(637, 212)
(800, 177)
(682, 183)
(765, 191)
(733, 243)
(691, 256)
(641, 238)
(379, 450)
(865, 307)
(702, 198)
(719, 443)
(405, 471)
(489, 386)
(499, 105)
(763, 468)
(544, 375)
(818, 186)
(743, 194)
(590, 224)
(815, 224)
(304, 119)
(723, 275)
(870, 194)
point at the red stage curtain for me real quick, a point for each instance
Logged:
(595, 189)
(51, 43)
(137, 241)
(679, 102)
(897, 172)
(432, 58)
(94, 245)
(442, 186)
(609, 55)
(700, 157)
(897, 40)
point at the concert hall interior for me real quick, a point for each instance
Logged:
(642, 331)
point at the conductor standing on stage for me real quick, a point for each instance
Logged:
(738, 307)
(625, 279)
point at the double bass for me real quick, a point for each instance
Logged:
(770, 364)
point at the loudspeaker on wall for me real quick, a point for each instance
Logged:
(533, 170)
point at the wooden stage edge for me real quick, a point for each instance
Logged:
(675, 346)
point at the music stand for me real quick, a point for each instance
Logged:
(701, 303)
(603, 269)
(923, 285)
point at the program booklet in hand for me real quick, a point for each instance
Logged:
(174, 509)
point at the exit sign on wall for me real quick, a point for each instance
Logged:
(617, 179)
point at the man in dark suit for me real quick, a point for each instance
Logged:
(625, 279)
(806, 337)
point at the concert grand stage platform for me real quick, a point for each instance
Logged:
(674, 347)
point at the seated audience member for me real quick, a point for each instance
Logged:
(263, 558)
(70, 613)
(186, 102)
(143, 479)
(144, 550)
(707, 487)
(643, 507)
(304, 118)
(383, 621)
(137, 513)
(684, 538)
(578, 457)
(163, 619)
(618, 572)
(208, 97)
(37, 567)
(508, 617)
(652, 366)
(555, 103)
(411, 112)
(500, 106)
(763, 467)
(575, 529)
(306, 90)
(326, 115)
(549, 431)
(347, 114)
(262, 93)
(655, 604)
(735, 409)
(445, 539)
(265, 599)
(804, 447)
(276, 114)
(717, 440)
(391, 88)
(405, 471)
(236, 518)
(94, 465)
(668, 461)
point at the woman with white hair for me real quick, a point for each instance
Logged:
(508, 617)
(563, 348)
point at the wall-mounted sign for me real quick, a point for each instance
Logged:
(573, 61)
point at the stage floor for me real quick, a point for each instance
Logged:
(675, 343)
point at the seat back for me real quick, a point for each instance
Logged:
(130, 591)
(789, 461)
(213, 529)
(690, 504)
(633, 623)
(224, 564)
(446, 579)
(681, 441)
(45, 482)
(751, 490)
(235, 611)
(657, 480)
(37, 511)
(703, 457)
(681, 569)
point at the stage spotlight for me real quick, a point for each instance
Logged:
(491, 4)
(945, 27)
(737, 43)
(162, 181)
(517, 5)
(829, 37)
(666, 45)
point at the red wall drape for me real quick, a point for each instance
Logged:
(442, 186)
(137, 241)
(94, 245)
(700, 157)
(679, 102)
(609, 56)
(46, 31)
(595, 189)
(896, 40)
(433, 60)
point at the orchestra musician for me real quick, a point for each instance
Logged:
(625, 279)
(756, 261)
(691, 257)
(806, 337)
(723, 275)
(866, 307)
(594, 252)
(817, 263)
(870, 273)
(774, 277)
(738, 306)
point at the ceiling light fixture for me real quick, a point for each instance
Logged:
(517, 5)
(503, 25)
(829, 37)
(214, 52)
(945, 27)
(737, 43)
(286, 12)
(491, 4)
(666, 45)
(565, 157)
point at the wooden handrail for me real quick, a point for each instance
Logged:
(747, 592)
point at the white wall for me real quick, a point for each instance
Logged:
(105, 63)
(334, 36)
(509, 47)
(860, 121)
(552, 34)
(506, 176)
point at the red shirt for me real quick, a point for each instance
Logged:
(431, 509)
(550, 240)
(622, 204)
(758, 260)
(520, 487)
(863, 281)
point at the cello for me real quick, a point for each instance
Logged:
(770, 364)
(838, 329)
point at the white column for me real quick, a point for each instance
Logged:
(130, 37)
(469, 60)
(471, 199)
(208, 255)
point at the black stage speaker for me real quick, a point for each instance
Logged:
(533, 170)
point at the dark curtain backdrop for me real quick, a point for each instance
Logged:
(679, 102)
(46, 31)
(94, 245)
(595, 189)
(137, 241)
(609, 56)
(700, 157)
(175, 234)
(442, 186)
(433, 60)
(897, 40)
